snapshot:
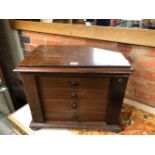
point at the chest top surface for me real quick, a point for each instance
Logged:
(74, 56)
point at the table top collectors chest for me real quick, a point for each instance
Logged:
(75, 86)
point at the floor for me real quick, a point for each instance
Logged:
(5, 125)
(133, 121)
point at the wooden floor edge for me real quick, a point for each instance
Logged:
(133, 36)
(19, 125)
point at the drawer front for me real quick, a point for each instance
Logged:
(63, 83)
(84, 105)
(73, 98)
(83, 88)
(81, 116)
(73, 94)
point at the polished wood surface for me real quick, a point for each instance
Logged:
(82, 97)
(33, 97)
(68, 99)
(67, 83)
(62, 88)
(107, 70)
(80, 116)
(80, 105)
(115, 99)
(75, 125)
(74, 56)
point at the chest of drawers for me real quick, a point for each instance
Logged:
(75, 86)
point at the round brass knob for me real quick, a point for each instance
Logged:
(74, 105)
(74, 95)
(74, 83)
(120, 80)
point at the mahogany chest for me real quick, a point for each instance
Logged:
(75, 86)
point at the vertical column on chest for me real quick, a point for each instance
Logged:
(32, 94)
(116, 95)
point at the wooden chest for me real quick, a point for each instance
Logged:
(75, 86)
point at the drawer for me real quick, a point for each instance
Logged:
(71, 94)
(81, 116)
(53, 83)
(81, 105)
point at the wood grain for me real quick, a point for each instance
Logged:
(74, 56)
(65, 83)
(76, 125)
(98, 94)
(19, 128)
(84, 105)
(60, 88)
(67, 94)
(82, 116)
(91, 100)
(115, 99)
(33, 97)
(88, 71)
(134, 36)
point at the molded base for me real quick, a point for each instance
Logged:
(75, 125)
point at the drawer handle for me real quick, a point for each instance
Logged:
(74, 105)
(74, 95)
(74, 83)
(74, 116)
(120, 80)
